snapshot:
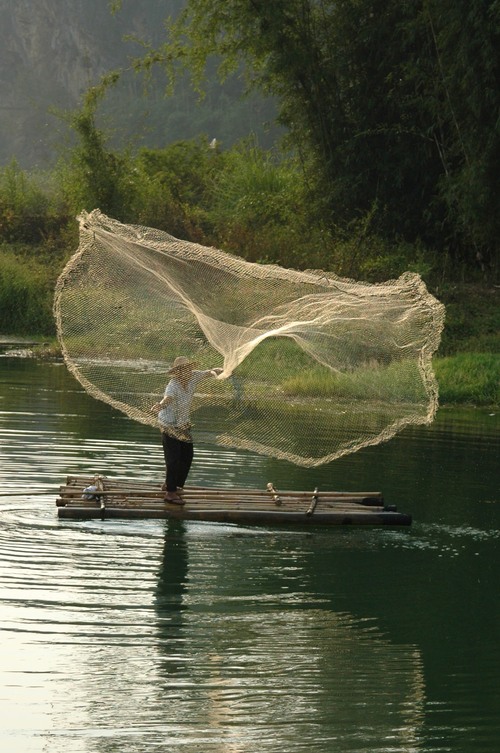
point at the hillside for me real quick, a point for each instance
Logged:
(52, 52)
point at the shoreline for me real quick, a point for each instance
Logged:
(450, 370)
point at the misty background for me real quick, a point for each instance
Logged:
(53, 51)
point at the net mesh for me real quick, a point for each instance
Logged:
(314, 366)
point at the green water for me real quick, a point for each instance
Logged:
(138, 636)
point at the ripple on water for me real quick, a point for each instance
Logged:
(204, 638)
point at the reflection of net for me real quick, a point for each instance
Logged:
(315, 366)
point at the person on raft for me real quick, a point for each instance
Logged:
(173, 415)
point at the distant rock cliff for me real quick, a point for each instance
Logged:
(51, 51)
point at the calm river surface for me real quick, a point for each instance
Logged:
(139, 636)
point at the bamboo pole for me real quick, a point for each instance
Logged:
(226, 499)
(111, 483)
(236, 508)
(270, 517)
(113, 488)
(314, 503)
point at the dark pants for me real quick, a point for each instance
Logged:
(178, 459)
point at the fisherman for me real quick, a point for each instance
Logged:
(173, 415)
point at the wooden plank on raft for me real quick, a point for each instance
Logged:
(132, 487)
(222, 492)
(245, 516)
(141, 499)
(236, 507)
(226, 498)
(82, 481)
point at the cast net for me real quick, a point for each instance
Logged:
(314, 366)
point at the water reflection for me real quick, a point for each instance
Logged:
(255, 660)
(170, 600)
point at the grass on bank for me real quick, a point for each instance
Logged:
(398, 382)
(464, 378)
(26, 287)
(469, 378)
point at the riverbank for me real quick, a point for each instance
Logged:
(34, 346)
(463, 378)
(468, 379)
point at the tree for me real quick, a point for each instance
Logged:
(463, 101)
(92, 175)
(393, 105)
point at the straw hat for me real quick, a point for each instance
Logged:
(179, 363)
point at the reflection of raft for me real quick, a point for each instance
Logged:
(133, 498)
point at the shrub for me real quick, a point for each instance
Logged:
(25, 295)
(24, 208)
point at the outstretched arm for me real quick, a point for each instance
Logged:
(208, 373)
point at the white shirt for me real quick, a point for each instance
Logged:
(176, 413)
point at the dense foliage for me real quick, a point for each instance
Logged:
(393, 106)
(244, 200)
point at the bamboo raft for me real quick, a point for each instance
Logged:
(139, 499)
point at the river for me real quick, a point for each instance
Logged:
(139, 636)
